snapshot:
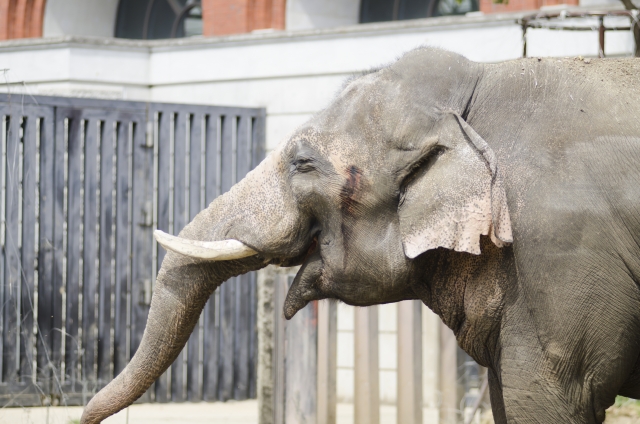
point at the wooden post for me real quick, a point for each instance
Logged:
(601, 30)
(327, 361)
(366, 387)
(409, 399)
(431, 324)
(294, 359)
(300, 368)
(267, 321)
(448, 376)
(279, 335)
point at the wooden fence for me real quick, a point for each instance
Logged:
(84, 183)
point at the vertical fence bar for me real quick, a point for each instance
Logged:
(366, 370)
(105, 254)
(5, 121)
(256, 123)
(28, 249)
(301, 365)
(327, 361)
(90, 253)
(10, 305)
(252, 374)
(44, 338)
(280, 289)
(409, 404)
(179, 221)
(58, 247)
(74, 213)
(243, 303)
(122, 247)
(228, 289)
(194, 379)
(258, 137)
(141, 231)
(256, 154)
(449, 405)
(211, 329)
(164, 169)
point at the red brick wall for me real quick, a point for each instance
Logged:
(487, 6)
(222, 17)
(21, 18)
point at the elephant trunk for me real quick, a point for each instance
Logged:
(252, 225)
(173, 314)
(182, 289)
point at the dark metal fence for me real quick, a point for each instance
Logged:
(84, 183)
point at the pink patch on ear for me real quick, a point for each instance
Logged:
(457, 229)
(458, 199)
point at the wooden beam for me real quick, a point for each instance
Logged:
(279, 347)
(431, 324)
(327, 361)
(367, 375)
(300, 365)
(267, 322)
(409, 399)
(294, 370)
(448, 375)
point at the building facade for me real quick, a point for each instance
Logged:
(157, 19)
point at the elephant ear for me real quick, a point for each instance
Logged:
(457, 197)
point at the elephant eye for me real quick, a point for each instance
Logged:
(419, 167)
(303, 165)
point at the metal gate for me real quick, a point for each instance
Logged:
(84, 183)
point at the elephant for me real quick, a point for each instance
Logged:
(504, 196)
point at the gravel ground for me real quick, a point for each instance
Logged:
(244, 412)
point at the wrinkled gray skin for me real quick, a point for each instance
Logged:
(364, 194)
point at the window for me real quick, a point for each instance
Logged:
(154, 19)
(394, 10)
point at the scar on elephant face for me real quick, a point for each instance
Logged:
(349, 192)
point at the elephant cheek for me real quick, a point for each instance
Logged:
(305, 286)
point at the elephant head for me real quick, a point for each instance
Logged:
(388, 171)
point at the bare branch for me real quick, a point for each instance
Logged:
(628, 4)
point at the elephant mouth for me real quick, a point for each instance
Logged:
(305, 286)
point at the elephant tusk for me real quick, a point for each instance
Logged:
(223, 250)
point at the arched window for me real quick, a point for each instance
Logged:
(154, 19)
(394, 10)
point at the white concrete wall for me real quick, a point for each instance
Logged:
(309, 14)
(57, 67)
(80, 17)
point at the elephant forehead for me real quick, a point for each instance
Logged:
(343, 147)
